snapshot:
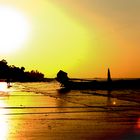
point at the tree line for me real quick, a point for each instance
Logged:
(18, 74)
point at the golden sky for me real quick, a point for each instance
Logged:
(81, 37)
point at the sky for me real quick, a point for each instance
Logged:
(82, 37)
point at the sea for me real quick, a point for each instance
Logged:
(45, 111)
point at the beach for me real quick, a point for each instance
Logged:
(41, 111)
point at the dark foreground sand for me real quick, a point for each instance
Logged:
(71, 116)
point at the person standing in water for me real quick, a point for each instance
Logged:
(8, 83)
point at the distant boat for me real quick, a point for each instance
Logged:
(109, 84)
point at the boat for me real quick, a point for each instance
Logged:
(108, 84)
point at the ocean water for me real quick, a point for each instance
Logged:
(42, 110)
(87, 98)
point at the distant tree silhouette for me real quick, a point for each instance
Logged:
(34, 76)
(3, 69)
(18, 74)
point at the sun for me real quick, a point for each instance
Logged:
(14, 29)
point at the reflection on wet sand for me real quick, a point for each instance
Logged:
(110, 100)
(4, 126)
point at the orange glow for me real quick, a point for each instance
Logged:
(138, 123)
(114, 103)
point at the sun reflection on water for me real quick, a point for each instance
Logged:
(114, 102)
(3, 86)
(3, 121)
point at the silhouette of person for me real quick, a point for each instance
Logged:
(8, 82)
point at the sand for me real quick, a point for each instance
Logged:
(28, 115)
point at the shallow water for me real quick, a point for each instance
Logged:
(43, 111)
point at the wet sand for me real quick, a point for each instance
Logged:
(77, 115)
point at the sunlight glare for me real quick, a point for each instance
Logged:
(3, 86)
(14, 29)
(3, 122)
